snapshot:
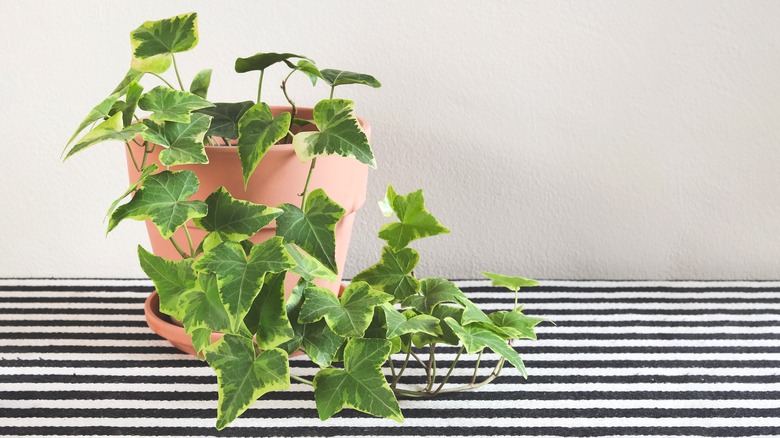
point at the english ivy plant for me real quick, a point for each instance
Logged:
(384, 318)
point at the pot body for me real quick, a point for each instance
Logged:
(278, 179)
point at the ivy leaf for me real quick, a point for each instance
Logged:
(475, 337)
(148, 170)
(339, 133)
(169, 105)
(170, 278)
(100, 111)
(109, 130)
(155, 42)
(348, 316)
(130, 77)
(225, 117)
(258, 130)
(268, 317)
(163, 199)
(233, 219)
(309, 69)
(204, 313)
(434, 291)
(200, 83)
(183, 141)
(293, 306)
(515, 324)
(398, 324)
(261, 61)
(243, 377)
(415, 221)
(313, 229)
(472, 314)
(392, 274)
(307, 266)
(440, 312)
(134, 92)
(512, 283)
(361, 385)
(240, 277)
(342, 77)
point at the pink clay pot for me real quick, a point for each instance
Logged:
(278, 179)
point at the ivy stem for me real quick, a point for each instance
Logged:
(431, 366)
(162, 79)
(392, 367)
(292, 104)
(476, 367)
(306, 186)
(227, 142)
(132, 157)
(461, 388)
(301, 379)
(146, 153)
(189, 240)
(449, 373)
(176, 69)
(260, 85)
(515, 308)
(403, 368)
(332, 89)
(178, 249)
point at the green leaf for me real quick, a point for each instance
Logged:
(515, 324)
(447, 336)
(321, 343)
(348, 316)
(130, 77)
(100, 111)
(472, 314)
(157, 64)
(240, 277)
(272, 326)
(398, 324)
(261, 61)
(475, 337)
(170, 278)
(341, 77)
(309, 69)
(258, 130)
(183, 141)
(243, 377)
(314, 229)
(233, 219)
(415, 221)
(225, 117)
(163, 200)
(169, 105)
(339, 133)
(165, 37)
(392, 274)
(307, 267)
(109, 130)
(134, 91)
(204, 313)
(361, 385)
(148, 170)
(200, 83)
(293, 306)
(434, 291)
(509, 282)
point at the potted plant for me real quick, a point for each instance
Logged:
(220, 268)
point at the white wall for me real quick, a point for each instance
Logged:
(582, 139)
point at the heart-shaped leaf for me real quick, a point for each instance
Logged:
(309, 69)
(148, 170)
(307, 266)
(440, 312)
(361, 385)
(244, 377)
(169, 105)
(339, 133)
(258, 130)
(134, 92)
(510, 282)
(261, 61)
(348, 316)
(515, 324)
(109, 130)
(475, 337)
(398, 324)
(171, 279)
(392, 274)
(415, 222)
(314, 229)
(100, 111)
(183, 142)
(225, 117)
(163, 198)
(342, 77)
(154, 42)
(434, 291)
(233, 219)
(200, 83)
(267, 317)
(203, 313)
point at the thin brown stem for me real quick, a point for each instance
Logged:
(132, 157)
(476, 367)
(178, 249)
(403, 368)
(431, 366)
(449, 372)
(306, 186)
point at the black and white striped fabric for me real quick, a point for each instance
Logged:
(625, 359)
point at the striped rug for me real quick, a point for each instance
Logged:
(625, 359)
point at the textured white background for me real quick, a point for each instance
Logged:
(583, 139)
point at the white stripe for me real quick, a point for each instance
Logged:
(632, 295)
(116, 306)
(660, 318)
(85, 343)
(73, 329)
(632, 283)
(75, 282)
(68, 317)
(72, 294)
(585, 331)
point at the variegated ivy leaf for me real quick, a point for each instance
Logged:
(392, 274)
(168, 105)
(472, 313)
(267, 317)
(515, 324)
(148, 170)
(240, 277)
(233, 219)
(183, 142)
(342, 77)
(244, 377)
(155, 42)
(130, 77)
(313, 229)
(434, 291)
(171, 279)
(225, 117)
(258, 130)
(109, 130)
(440, 312)
(134, 91)
(339, 133)
(475, 337)
(261, 61)
(163, 199)
(348, 316)
(204, 313)
(510, 282)
(307, 266)
(398, 324)
(361, 385)
(308, 68)
(415, 222)
(200, 83)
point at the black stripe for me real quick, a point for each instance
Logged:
(76, 323)
(74, 288)
(608, 289)
(116, 336)
(510, 300)
(71, 299)
(74, 311)
(640, 311)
